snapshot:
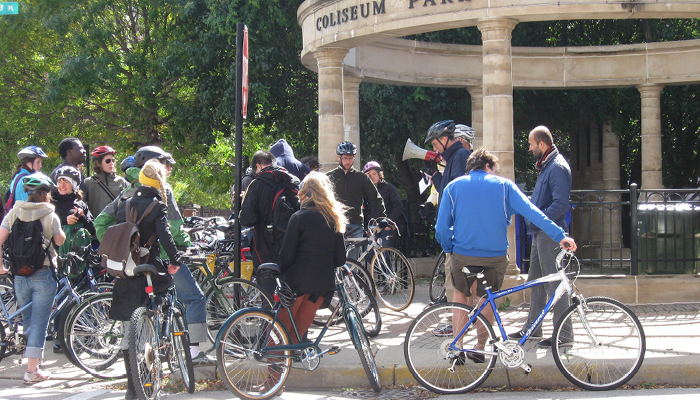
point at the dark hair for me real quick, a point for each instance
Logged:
(264, 158)
(542, 134)
(65, 145)
(311, 162)
(23, 164)
(480, 158)
(37, 196)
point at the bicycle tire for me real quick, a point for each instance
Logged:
(364, 350)
(361, 273)
(65, 312)
(437, 280)
(243, 368)
(146, 363)
(7, 292)
(427, 354)
(180, 360)
(93, 341)
(230, 295)
(3, 343)
(611, 362)
(393, 278)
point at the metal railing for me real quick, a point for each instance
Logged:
(629, 231)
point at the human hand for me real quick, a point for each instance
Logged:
(568, 243)
(3, 271)
(72, 219)
(172, 269)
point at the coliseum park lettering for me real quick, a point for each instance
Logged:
(363, 10)
(426, 3)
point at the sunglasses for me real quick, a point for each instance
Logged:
(110, 160)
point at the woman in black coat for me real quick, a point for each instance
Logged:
(68, 200)
(129, 293)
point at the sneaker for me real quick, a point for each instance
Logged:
(38, 376)
(519, 335)
(547, 343)
(478, 358)
(57, 349)
(203, 359)
(443, 330)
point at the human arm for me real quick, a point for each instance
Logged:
(444, 225)
(164, 236)
(396, 204)
(248, 215)
(339, 255)
(518, 202)
(4, 234)
(290, 244)
(59, 236)
(102, 222)
(371, 194)
(560, 186)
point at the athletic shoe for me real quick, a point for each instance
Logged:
(443, 330)
(547, 343)
(519, 335)
(38, 376)
(203, 359)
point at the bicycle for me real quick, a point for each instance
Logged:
(390, 271)
(598, 344)
(437, 280)
(254, 353)
(158, 333)
(224, 296)
(359, 295)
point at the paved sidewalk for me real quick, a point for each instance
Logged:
(672, 357)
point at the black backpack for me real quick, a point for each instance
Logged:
(26, 247)
(284, 204)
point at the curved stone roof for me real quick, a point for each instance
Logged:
(371, 28)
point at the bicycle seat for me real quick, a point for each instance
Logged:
(146, 268)
(472, 270)
(270, 268)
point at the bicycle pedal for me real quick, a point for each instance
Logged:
(334, 350)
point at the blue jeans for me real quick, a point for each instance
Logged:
(354, 231)
(189, 294)
(39, 289)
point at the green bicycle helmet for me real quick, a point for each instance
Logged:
(37, 181)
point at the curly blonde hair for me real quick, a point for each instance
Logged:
(317, 191)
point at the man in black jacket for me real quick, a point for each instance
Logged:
(256, 208)
(352, 188)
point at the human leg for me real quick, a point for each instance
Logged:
(538, 294)
(189, 294)
(547, 252)
(42, 287)
(354, 231)
(449, 287)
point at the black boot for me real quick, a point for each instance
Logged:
(130, 389)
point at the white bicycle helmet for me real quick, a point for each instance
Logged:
(464, 132)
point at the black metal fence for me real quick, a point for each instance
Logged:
(630, 231)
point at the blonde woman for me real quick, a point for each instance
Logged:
(129, 293)
(312, 248)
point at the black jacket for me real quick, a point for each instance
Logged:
(67, 204)
(129, 293)
(256, 210)
(352, 189)
(310, 252)
(455, 157)
(392, 202)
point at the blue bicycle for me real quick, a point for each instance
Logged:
(598, 344)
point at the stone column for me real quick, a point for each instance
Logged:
(330, 104)
(498, 103)
(612, 239)
(477, 95)
(351, 111)
(651, 136)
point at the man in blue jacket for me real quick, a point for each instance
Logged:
(472, 226)
(551, 195)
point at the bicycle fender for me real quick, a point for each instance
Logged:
(232, 317)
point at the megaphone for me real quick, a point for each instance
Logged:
(413, 151)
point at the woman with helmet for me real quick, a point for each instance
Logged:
(30, 161)
(392, 201)
(104, 185)
(40, 287)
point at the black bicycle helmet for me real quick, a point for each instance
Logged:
(37, 181)
(127, 163)
(68, 172)
(146, 153)
(346, 148)
(438, 129)
(31, 152)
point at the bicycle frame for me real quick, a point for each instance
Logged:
(563, 288)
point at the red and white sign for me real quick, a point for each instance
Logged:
(244, 81)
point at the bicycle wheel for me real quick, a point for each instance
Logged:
(359, 295)
(361, 272)
(93, 341)
(393, 277)
(180, 360)
(145, 358)
(437, 281)
(361, 342)
(230, 295)
(607, 355)
(427, 354)
(247, 371)
(7, 292)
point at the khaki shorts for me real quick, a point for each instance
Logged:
(494, 274)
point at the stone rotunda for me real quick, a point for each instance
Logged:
(352, 41)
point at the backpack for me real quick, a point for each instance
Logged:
(26, 247)
(9, 198)
(284, 204)
(78, 241)
(120, 250)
